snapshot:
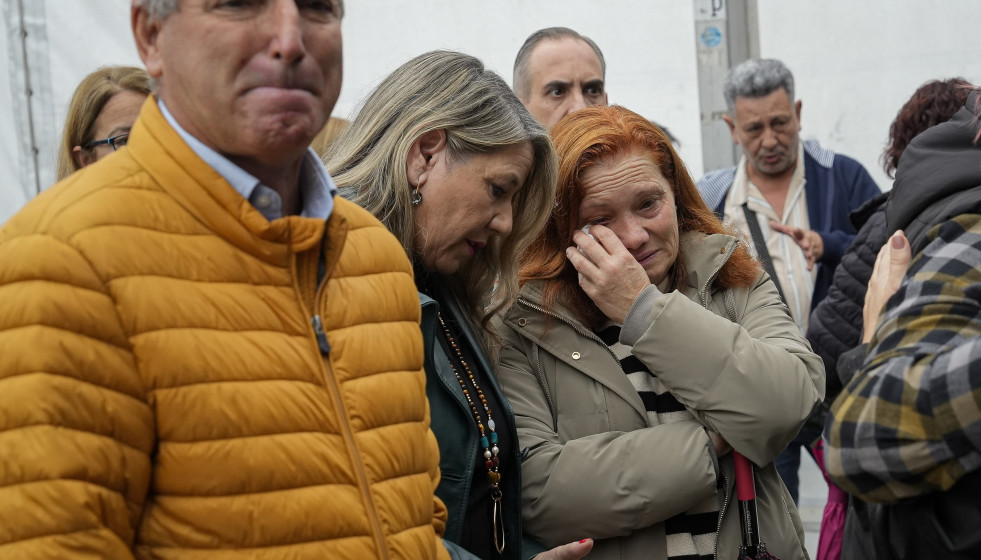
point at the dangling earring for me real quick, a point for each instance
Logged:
(416, 197)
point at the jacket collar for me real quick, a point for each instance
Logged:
(316, 187)
(705, 255)
(450, 307)
(201, 190)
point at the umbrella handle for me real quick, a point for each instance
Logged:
(745, 482)
(746, 494)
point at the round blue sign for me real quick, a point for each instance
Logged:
(711, 37)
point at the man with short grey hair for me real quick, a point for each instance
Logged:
(791, 197)
(203, 352)
(558, 71)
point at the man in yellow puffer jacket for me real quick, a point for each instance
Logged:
(203, 353)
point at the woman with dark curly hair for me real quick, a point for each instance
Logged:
(933, 103)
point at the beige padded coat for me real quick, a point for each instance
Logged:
(596, 466)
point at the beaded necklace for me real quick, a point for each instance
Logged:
(489, 444)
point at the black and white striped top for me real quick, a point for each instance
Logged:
(690, 535)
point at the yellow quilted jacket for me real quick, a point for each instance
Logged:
(162, 393)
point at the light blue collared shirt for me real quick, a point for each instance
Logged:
(317, 189)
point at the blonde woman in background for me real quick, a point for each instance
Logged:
(101, 112)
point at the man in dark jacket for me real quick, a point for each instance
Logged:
(783, 185)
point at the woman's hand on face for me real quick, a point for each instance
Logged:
(571, 551)
(608, 273)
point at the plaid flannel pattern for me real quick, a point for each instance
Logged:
(910, 421)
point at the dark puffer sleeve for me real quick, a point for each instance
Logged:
(836, 323)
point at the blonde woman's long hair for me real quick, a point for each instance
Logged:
(91, 95)
(480, 114)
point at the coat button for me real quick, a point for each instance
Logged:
(522, 322)
(575, 355)
(722, 251)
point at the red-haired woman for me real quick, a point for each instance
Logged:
(641, 351)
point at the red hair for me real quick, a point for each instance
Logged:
(598, 134)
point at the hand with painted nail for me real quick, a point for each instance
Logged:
(888, 272)
(571, 551)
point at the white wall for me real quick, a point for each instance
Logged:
(79, 41)
(11, 195)
(67, 39)
(649, 47)
(855, 62)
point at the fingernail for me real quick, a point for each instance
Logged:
(582, 541)
(898, 242)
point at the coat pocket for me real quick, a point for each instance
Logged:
(780, 523)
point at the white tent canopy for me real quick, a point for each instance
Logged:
(855, 63)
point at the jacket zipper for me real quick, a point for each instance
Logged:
(730, 310)
(725, 505)
(318, 330)
(334, 389)
(703, 291)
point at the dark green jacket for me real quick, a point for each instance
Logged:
(456, 431)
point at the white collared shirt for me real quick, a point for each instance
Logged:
(317, 189)
(788, 259)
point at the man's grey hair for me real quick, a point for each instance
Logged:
(757, 77)
(157, 10)
(521, 79)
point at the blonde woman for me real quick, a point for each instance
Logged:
(445, 155)
(101, 112)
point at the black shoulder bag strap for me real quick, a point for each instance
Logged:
(761, 251)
